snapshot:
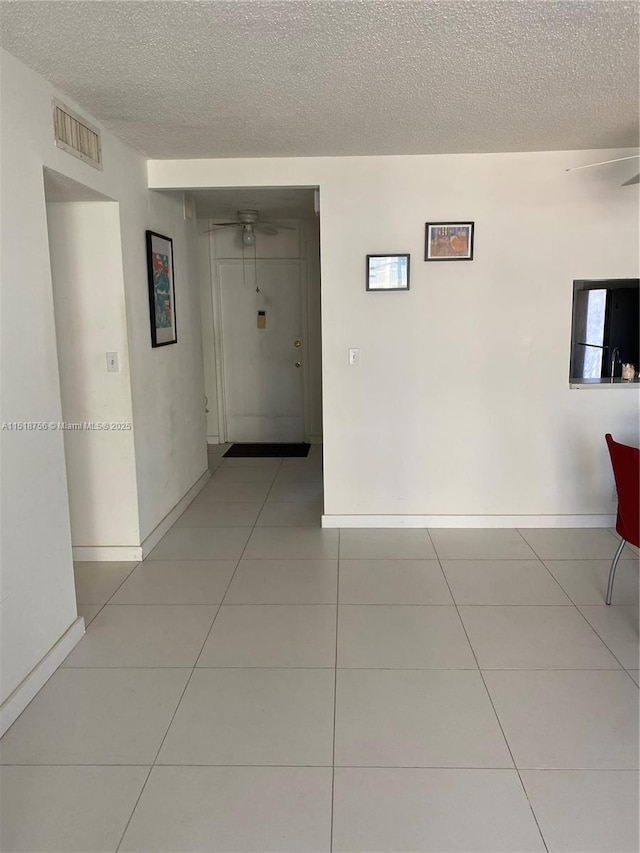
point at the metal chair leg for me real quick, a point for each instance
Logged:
(612, 571)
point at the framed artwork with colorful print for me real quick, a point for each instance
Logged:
(449, 241)
(162, 307)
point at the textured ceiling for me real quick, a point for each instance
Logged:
(249, 78)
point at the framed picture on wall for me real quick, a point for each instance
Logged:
(448, 241)
(162, 310)
(388, 272)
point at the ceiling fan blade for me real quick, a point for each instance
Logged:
(266, 229)
(282, 227)
(603, 163)
(634, 180)
(220, 225)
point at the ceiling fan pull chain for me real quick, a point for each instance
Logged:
(255, 267)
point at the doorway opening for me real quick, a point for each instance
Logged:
(85, 252)
(260, 286)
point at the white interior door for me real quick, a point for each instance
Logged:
(263, 367)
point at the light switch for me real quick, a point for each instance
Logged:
(262, 319)
(354, 357)
(113, 362)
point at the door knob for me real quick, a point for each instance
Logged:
(297, 364)
(297, 344)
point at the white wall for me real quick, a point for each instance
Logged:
(461, 406)
(90, 319)
(300, 243)
(38, 601)
(167, 382)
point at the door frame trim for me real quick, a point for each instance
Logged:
(216, 307)
(304, 307)
(218, 330)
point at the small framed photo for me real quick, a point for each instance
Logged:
(388, 272)
(162, 311)
(448, 241)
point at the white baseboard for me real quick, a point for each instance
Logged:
(107, 553)
(156, 535)
(15, 704)
(478, 521)
(136, 553)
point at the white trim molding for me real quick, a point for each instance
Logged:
(107, 553)
(477, 521)
(17, 701)
(136, 553)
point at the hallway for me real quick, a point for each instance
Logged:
(261, 684)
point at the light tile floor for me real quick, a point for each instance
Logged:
(261, 684)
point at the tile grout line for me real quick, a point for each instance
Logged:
(327, 604)
(165, 734)
(373, 668)
(461, 604)
(615, 657)
(104, 604)
(602, 640)
(360, 767)
(548, 570)
(144, 784)
(533, 559)
(270, 489)
(368, 559)
(608, 558)
(492, 704)
(335, 700)
(193, 669)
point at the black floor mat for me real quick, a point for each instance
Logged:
(238, 451)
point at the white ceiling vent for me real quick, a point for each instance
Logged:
(76, 136)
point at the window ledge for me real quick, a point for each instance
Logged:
(579, 384)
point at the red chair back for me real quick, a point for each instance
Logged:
(626, 471)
